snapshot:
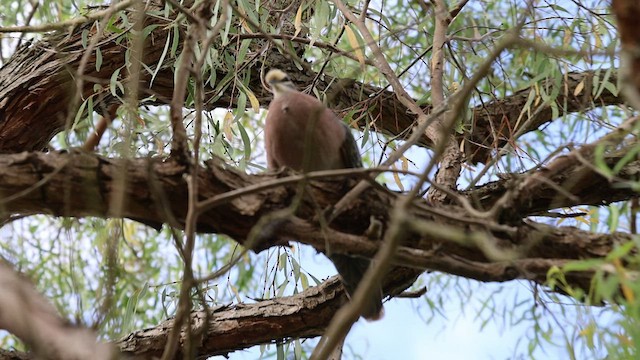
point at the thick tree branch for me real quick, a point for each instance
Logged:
(39, 78)
(82, 185)
(627, 12)
(236, 327)
(496, 123)
(27, 314)
(566, 181)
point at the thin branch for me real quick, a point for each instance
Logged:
(65, 25)
(28, 315)
(179, 148)
(319, 44)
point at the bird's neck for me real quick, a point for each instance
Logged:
(282, 91)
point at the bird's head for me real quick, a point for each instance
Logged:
(279, 82)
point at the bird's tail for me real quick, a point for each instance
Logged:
(351, 270)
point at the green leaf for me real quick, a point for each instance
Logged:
(246, 142)
(85, 38)
(583, 265)
(98, 59)
(621, 251)
(115, 84)
(280, 352)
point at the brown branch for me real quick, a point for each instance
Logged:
(81, 185)
(447, 151)
(37, 78)
(103, 123)
(568, 180)
(65, 25)
(627, 12)
(28, 315)
(241, 326)
(236, 327)
(92, 180)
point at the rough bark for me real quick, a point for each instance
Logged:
(566, 181)
(37, 85)
(299, 316)
(40, 78)
(83, 184)
(627, 12)
(27, 314)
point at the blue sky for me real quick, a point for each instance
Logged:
(459, 331)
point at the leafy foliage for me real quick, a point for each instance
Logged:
(119, 275)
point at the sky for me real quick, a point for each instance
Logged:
(457, 333)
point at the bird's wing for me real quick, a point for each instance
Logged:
(349, 151)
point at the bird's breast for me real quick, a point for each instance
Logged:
(303, 134)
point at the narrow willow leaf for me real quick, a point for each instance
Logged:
(396, 178)
(280, 352)
(85, 38)
(298, 21)
(604, 82)
(579, 88)
(245, 141)
(98, 59)
(355, 44)
(114, 83)
(226, 127)
(255, 104)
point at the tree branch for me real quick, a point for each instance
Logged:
(81, 185)
(36, 77)
(240, 326)
(27, 314)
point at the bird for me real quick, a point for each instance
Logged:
(304, 135)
